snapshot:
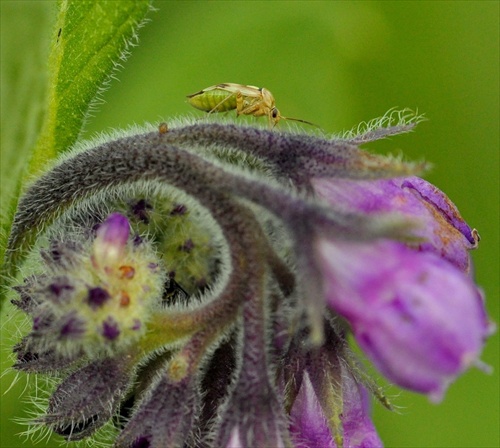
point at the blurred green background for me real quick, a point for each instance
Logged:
(335, 64)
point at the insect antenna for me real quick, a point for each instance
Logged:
(301, 121)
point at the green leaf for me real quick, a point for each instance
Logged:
(90, 40)
(23, 79)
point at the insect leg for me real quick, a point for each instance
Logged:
(252, 106)
(214, 109)
(249, 110)
(239, 103)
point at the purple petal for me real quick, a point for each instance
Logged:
(359, 430)
(442, 205)
(308, 424)
(140, 210)
(111, 239)
(441, 226)
(418, 318)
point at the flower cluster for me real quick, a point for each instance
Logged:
(197, 287)
(95, 295)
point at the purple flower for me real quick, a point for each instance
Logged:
(111, 239)
(310, 428)
(439, 223)
(419, 318)
(359, 430)
(228, 325)
(141, 210)
(72, 327)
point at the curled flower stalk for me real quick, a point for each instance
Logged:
(196, 287)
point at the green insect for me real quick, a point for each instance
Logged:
(247, 100)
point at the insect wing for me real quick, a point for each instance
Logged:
(246, 91)
(251, 95)
(222, 97)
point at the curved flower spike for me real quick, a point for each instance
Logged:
(194, 315)
(417, 317)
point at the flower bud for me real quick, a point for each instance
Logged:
(164, 417)
(416, 316)
(110, 242)
(309, 425)
(87, 398)
(207, 325)
(100, 300)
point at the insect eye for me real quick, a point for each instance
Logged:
(274, 113)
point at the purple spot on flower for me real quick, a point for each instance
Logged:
(137, 324)
(141, 210)
(142, 442)
(110, 329)
(97, 297)
(58, 289)
(153, 266)
(365, 340)
(42, 322)
(73, 328)
(59, 252)
(137, 240)
(179, 210)
(54, 253)
(187, 246)
(404, 309)
(38, 323)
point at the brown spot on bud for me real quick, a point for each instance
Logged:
(127, 272)
(163, 128)
(124, 299)
(476, 236)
